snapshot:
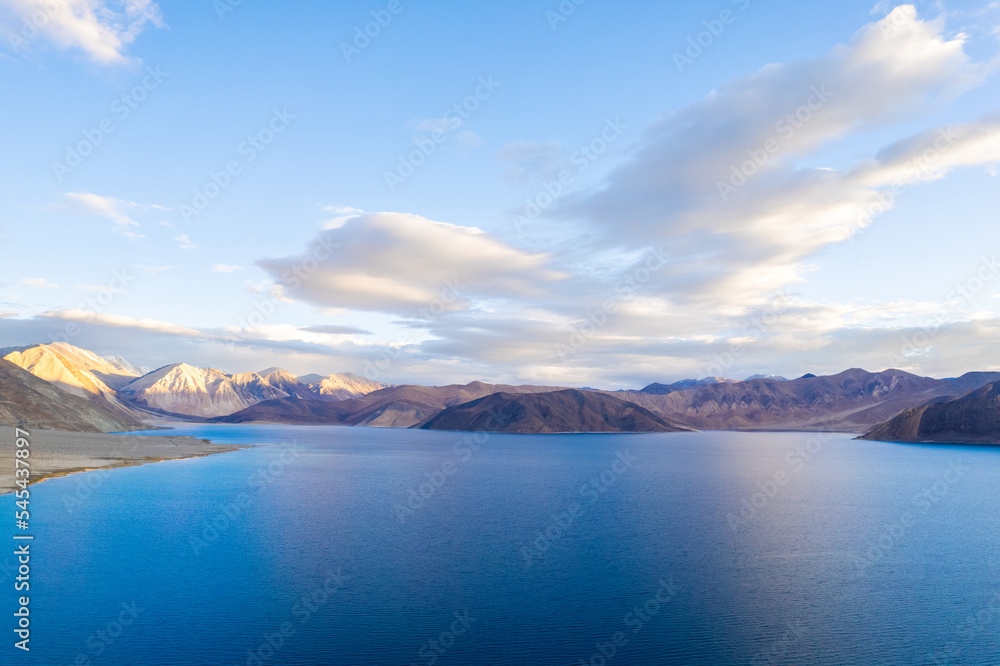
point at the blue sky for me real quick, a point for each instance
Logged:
(575, 221)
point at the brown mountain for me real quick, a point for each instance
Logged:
(29, 402)
(396, 406)
(971, 418)
(852, 400)
(568, 410)
(289, 410)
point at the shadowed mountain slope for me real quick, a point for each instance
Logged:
(971, 418)
(29, 402)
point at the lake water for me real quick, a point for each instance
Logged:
(368, 546)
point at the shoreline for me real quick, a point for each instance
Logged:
(59, 453)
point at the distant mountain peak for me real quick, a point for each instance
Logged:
(123, 365)
(657, 388)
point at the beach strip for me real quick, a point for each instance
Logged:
(59, 453)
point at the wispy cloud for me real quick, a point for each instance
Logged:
(185, 243)
(36, 283)
(102, 29)
(109, 208)
(121, 321)
(333, 329)
(155, 269)
(722, 181)
(226, 268)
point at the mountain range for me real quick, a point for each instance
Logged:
(93, 392)
(392, 407)
(850, 401)
(179, 389)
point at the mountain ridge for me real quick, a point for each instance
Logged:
(567, 410)
(176, 390)
(853, 400)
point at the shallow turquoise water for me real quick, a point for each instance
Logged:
(367, 546)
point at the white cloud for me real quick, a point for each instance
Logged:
(121, 321)
(395, 262)
(107, 207)
(226, 268)
(341, 214)
(36, 283)
(185, 243)
(102, 29)
(155, 269)
(720, 183)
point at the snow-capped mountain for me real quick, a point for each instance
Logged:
(178, 388)
(341, 386)
(184, 389)
(127, 368)
(285, 381)
(206, 392)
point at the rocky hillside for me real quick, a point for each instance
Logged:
(970, 418)
(80, 373)
(29, 402)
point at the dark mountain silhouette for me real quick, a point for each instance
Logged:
(971, 418)
(569, 410)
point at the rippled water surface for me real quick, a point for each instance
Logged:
(367, 546)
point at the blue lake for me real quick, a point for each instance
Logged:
(369, 546)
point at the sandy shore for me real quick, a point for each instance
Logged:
(57, 453)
